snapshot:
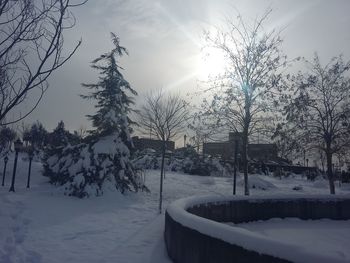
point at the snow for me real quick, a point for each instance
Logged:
(258, 182)
(307, 233)
(108, 145)
(40, 224)
(254, 240)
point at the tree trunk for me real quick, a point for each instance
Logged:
(235, 167)
(245, 160)
(245, 137)
(330, 172)
(161, 179)
(322, 161)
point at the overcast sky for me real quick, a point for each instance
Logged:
(164, 39)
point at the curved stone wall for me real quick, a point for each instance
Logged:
(194, 232)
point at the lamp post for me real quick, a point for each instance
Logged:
(30, 154)
(5, 165)
(18, 144)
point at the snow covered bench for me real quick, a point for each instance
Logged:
(194, 231)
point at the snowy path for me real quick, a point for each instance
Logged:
(14, 228)
(145, 245)
(41, 225)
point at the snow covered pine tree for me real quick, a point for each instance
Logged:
(103, 161)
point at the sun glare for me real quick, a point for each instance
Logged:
(211, 63)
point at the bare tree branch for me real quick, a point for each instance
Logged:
(31, 49)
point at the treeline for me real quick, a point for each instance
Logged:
(38, 137)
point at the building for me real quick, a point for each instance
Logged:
(260, 152)
(263, 152)
(222, 149)
(146, 143)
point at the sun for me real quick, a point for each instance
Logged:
(211, 63)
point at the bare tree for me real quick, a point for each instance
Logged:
(164, 116)
(320, 109)
(251, 86)
(31, 49)
(203, 129)
(287, 144)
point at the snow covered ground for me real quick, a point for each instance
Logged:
(41, 225)
(323, 237)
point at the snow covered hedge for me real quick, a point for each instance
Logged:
(88, 169)
(191, 164)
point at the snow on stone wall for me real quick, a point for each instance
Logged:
(178, 211)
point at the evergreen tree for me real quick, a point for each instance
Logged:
(59, 136)
(103, 161)
(7, 136)
(36, 135)
(110, 91)
(111, 120)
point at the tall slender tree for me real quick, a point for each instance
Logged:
(252, 84)
(165, 117)
(103, 160)
(112, 117)
(111, 93)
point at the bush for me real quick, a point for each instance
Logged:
(182, 161)
(89, 168)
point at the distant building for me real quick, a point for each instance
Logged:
(146, 143)
(261, 152)
(223, 149)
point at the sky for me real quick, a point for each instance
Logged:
(165, 43)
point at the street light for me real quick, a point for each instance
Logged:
(5, 164)
(18, 145)
(30, 154)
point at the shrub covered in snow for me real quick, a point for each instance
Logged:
(90, 168)
(187, 163)
(185, 152)
(205, 166)
(147, 161)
